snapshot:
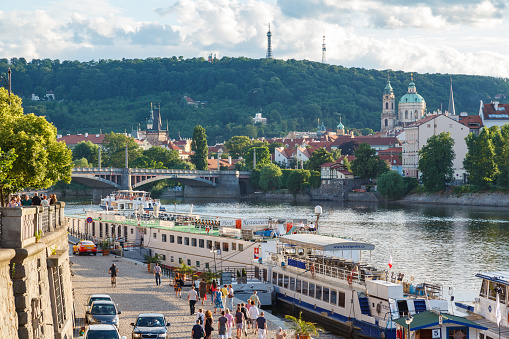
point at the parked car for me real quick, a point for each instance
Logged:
(102, 331)
(150, 325)
(93, 298)
(84, 246)
(103, 312)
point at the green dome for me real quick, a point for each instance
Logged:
(388, 88)
(340, 126)
(411, 98)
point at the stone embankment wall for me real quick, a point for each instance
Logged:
(470, 199)
(8, 315)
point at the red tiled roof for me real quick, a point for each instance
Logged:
(471, 121)
(345, 172)
(389, 150)
(369, 139)
(490, 113)
(75, 139)
(423, 120)
(222, 162)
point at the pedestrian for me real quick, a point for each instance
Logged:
(213, 289)
(52, 199)
(224, 294)
(178, 286)
(200, 316)
(239, 322)
(261, 323)
(26, 202)
(222, 326)
(141, 240)
(208, 324)
(230, 297)
(36, 201)
(44, 201)
(192, 295)
(229, 316)
(255, 298)
(280, 334)
(253, 314)
(203, 291)
(197, 330)
(157, 274)
(244, 311)
(218, 301)
(12, 203)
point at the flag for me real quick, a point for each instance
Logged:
(497, 312)
(390, 261)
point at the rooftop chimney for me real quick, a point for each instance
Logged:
(495, 104)
(229, 160)
(86, 135)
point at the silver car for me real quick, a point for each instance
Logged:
(103, 312)
(93, 298)
(102, 331)
(150, 325)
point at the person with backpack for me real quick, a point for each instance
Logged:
(200, 316)
(197, 330)
(239, 322)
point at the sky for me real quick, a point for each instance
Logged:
(428, 36)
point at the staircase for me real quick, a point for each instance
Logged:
(419, 305)
(364, 304)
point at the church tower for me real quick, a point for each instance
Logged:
(388, 118)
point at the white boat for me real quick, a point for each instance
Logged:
(325, 277)
(128, 202)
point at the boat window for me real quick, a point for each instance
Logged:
(234, 246)
(188, 262)
(494, 287)
(180, 261)
(186, 241)
(217, 245)
(193, 242)
(172, 238)
(305, 287)
(207, 265)
(241, 247)
(171, 259)
(274, 278)
(280, 280)
(101, 230)
(179, 240)
(402, 308)
(209, 244)
(292, 284)
(325, 296)
(225, 247)
(318, 292)
(201, 243)
(312, 290)
(163, 237)
(298, 285)
(197, 264)
(106, 230)
(285, 281)
(341, 299)
(155, 235)
(455, 333)
(333, 297)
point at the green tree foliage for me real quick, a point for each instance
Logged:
(480, 159)
(298, 180)
(318, 158)
(270, 177)
(83, 162)
(391, 185)
(284, 178)
(200, 148)
(503, 158)
(273, 146)
(436, 161)
(367, 164)
(237, 146)
(33, 158)
(114, 150)
(87, 150)
(262, 156)
(315, 180)
(348, 148)
(168, 158)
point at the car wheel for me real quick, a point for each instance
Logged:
(95, 253)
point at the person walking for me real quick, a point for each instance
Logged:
(230, 297)
(261, 323)
(224, 294)
(157, 274)
(245, 311)
(253, 314)
(222, 326)
(113, 272)
(200, 316)
(197, 330)
(218, 301)
(203, 291)
(254, 297)
(213, 289)
(239, 322)
(52, 199)
(208, 324)
(229, 316)
(192, 295)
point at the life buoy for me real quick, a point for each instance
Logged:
(208, 230)
(312, 269)
(378, 308)
(349, 278)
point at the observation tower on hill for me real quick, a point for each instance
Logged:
(269, 44)
(324, 50)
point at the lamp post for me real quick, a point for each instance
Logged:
(408, 321)
(318, 212)
(7, 81)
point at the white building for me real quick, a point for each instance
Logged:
(494, 114)
(417, 135)
(258, 119)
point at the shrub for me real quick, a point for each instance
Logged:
(391, 185)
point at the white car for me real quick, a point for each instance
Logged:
(102, 331)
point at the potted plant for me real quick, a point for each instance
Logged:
(244, 276)
(105, 246)
(209, 276)
(302, 329)
(239, 279)
(152, 261)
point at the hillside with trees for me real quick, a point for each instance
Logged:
(115, 95)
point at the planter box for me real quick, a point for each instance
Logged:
(106, 252)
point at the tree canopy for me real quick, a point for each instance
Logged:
(318, 158)
(436, 162)
(480, 159)
(200, 148)
(270, 177)
(367, 164)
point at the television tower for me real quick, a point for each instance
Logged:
(269, 46)
(324, 51)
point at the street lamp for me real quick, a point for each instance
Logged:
(318, 212)
(7, 81)
(408, 321)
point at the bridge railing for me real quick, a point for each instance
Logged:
(157, 171)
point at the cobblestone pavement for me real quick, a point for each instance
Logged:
(136, 293)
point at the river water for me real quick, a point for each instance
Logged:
(447, 245)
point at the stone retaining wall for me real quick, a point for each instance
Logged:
(471, 199)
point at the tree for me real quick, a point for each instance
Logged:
(33, 158)
(200, 148)
(348, 148)
(87, 150)
(318, 158)
(391, 185)
(237, 146)
(480, 159)
(167, 158)
(436, 162)
(270, 177)
(367, 164)
(262, 156)
(273, 146)
(297, 180)
(114, 149)
(503, 162)
(83, 162)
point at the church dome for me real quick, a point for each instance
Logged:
(388, 88)
(411, 98)
(340, 126)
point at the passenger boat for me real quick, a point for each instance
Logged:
(325, 277)
(129, 202)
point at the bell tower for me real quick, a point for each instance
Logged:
(388, 118)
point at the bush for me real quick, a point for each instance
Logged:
(315, 181)
(254, 179)
(298, 180)
(284, 178)
(410, 183)
(391, 185)
(270, 177)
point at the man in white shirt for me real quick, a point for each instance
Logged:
(201, 317)
(254, 313)
(192, 296)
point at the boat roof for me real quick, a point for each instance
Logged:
(501, 277)
(325, 243)
(430, 319)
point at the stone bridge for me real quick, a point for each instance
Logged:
(197, 183)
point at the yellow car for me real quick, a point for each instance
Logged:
(84, 246)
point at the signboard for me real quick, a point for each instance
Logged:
(440, 320)
(435, 333)
(256, 250)
(90, 220)
(226, 278)
(255, 222)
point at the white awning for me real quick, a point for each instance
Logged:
(323, 243)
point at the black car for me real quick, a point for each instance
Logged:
(150, 325)
(103, 312)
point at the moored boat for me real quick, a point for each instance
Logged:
(128, 202)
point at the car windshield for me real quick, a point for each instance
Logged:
(103, 310)
(97, 298)
(150, 322)
(87, 243)
(102, 334)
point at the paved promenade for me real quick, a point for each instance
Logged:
(136, 293)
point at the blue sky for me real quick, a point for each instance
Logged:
(429, 36)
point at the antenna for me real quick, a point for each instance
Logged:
(269, 44)
(324, 51)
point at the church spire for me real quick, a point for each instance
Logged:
(451, 108)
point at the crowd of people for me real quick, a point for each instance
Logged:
(36, 200)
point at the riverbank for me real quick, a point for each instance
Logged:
(470, 199)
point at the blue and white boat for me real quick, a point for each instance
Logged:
(325, 278)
